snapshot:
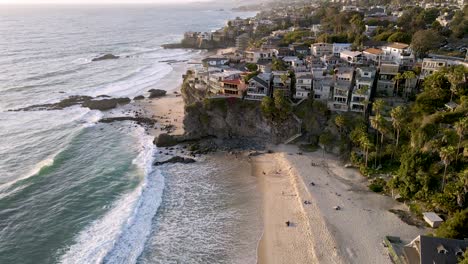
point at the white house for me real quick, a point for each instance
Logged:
(303, 85)
(253, 55)
(372, 55)
(339, 47)
(399, 53)
(215, 61)
(321, 86)
(351, 57)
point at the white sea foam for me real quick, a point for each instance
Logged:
(119, 236)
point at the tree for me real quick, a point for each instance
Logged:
(424, 41)
(251, 67)
(447, 155)
(378, 106)
(366, 144)
(455, 227)
(325, 139)
(398, 77)
(408, 76)
(340, 122)
(282, 105)
(398, 115)
(456, 76)
(400, 37)
(460, 127)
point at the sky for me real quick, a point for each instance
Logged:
(95, 1)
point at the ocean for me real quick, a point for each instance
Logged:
(73, 190)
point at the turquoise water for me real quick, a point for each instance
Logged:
(73, 190)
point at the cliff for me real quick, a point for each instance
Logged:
(227, 118)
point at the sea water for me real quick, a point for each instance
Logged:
(73, 190)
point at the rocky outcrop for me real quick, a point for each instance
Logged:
(227, 118)
(105, 104)
(166, 140)
(85, 101)
(106, 57)
(155, 93)
(176, 159)
(138, 120)
(139, 97)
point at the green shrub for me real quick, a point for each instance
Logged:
(378, 185)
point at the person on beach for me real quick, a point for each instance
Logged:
(288, 223)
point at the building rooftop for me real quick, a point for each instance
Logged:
(398, 45)
(438, 250)
(373, 51)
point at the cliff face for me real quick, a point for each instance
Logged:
(231, 118)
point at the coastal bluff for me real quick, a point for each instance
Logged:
(227, 118)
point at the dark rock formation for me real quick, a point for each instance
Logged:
(138, 120)
(105, 104)
(106, 57)
(140, 97)
(166, 140)
(176, 159)
(154, 93)
(85, 101)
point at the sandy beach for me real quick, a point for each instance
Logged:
(321, 234)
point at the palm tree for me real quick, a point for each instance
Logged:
(447, 154)
(398, 77)
(398, 115)
(378, 124)
(378, 106)
(408, 75)
(366, 144)
(455, 77)
(340, 122)
(460, 127)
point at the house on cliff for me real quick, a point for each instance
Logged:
(259, 86)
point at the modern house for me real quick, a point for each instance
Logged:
(385, 82)
(399, 53)
(227, 81)
(351, 57)
(339, 47)
(322, 86)
(253, 55)
(365, 77)
(372, 55)
(426, 249)
(215, 61)
(303, 85)
(259, 87)
(321, 49)
(341, 89)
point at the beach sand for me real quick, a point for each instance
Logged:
(321, 234)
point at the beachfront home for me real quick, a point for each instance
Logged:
(259, 86)
(321, 49)
(339, 47)
(227, 81)
(385, 82)
(341, 89)
(282, 82)
(253, 55)
(215, 61)
(322, 86)
(303, 85)
(372, 55)
(351, 57)
(399, 53)
(432, 219)
(365, 77)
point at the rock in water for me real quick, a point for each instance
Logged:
(106, 57)
(176, 159)
(154, 93)
(140, 97)
(165, 140)
(105, 104)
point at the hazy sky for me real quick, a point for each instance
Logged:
(95, 1)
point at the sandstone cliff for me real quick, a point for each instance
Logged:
(231, 118)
